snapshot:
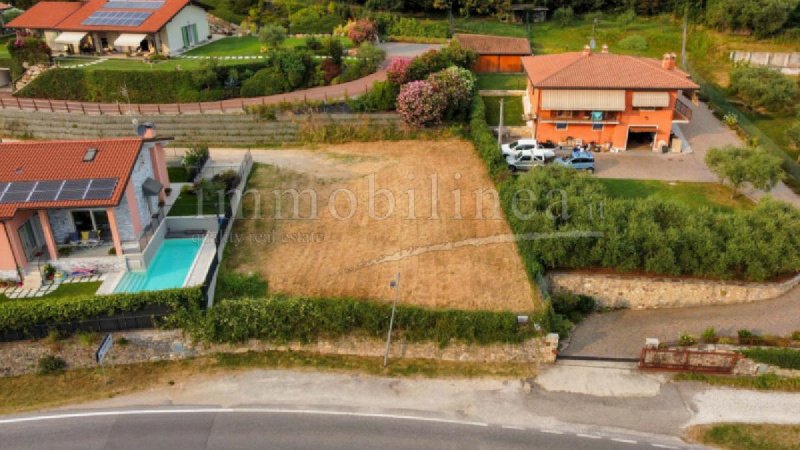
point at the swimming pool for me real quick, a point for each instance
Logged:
(168, 270)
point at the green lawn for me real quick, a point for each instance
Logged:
(696, 195)
(178, 175)
(170, 64)
(501, 81)
(739, 436)
(68, 290)
(4, 47)
(187, 205)
(512, 111)
(246, 46)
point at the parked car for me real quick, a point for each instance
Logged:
(578, 161)
(524, 162)
(529, 146)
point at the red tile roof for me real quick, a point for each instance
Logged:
(63, 160)
(42, 16)
(493, 45)
(602, 71)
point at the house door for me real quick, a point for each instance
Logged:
(30, 235)
(90, 220)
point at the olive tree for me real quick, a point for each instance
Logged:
(271, 35)
(736, 166)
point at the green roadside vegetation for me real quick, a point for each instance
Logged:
(742, 436)
(32, 392)
(781, 357)
(512, 110)
(695, 195)
(65, 290)
(766, 382)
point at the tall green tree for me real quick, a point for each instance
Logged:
(736, 166)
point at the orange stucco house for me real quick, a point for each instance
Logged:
(618, 102)
(97, 198)
(495, 53)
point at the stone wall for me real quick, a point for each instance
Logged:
(21, 357)
(622, 291)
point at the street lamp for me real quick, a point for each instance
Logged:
(394, 284)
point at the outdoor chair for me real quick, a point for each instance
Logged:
(90, 238)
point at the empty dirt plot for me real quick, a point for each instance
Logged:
(424, 209)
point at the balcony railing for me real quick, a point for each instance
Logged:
(683, 112)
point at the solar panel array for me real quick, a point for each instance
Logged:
(57, 190)
(119, 18)
(134, 4)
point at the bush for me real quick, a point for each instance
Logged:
(397, 72)
(333, 48)
(747, 337)
(736, 166)
(50, 365)
(284, 319)
(229, 179)
(763, 18)
(710, 335)
(731, 120)
(28, 50)
(573, 307)
(783, 357)
(762, 87)
(634, 42)
(330, 70)
(407, 26)
(313, 20)
(362, 30)
(372, 55)
(457, 85)
(271, 35)
(420, 104)
(685, 339)
(564, 15)
(267, 81)
(194, 159)
(381, 97)
(232, 285)
(23, 315)
(436, 60)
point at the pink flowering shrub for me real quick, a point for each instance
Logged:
(362, 30)
(457, 85)
(420, 103)
(397, 72)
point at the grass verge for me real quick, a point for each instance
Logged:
(781, 357)
(30, 392)
(501, 81)
(66, 290)
(766, 382)
(695, 195)
(512, 111)
(739, 436)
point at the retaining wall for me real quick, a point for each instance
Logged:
(213, 129)
(622, 291)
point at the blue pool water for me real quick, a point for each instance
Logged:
(167, 270)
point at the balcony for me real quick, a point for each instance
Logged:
(682, 112)
(579, 117)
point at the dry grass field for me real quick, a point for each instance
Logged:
(450, 250)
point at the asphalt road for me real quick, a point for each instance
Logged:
(243, 428)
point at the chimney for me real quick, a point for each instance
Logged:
(605, 48)
(146, 130)
(586, 50)
(668, 61)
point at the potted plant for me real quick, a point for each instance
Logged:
(48, 271)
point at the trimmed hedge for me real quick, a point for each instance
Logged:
(20, 315)
(283, 319)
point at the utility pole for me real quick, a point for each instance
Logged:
(394, 284)
(685, 31)
(500, 125)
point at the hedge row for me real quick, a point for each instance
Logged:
(284, 319)
(20, 315)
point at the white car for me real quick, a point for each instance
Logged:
(526, 147)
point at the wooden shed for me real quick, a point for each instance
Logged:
(495, 53)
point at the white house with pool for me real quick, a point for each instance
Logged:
(91, 207)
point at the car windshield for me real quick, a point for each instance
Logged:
(513, 144)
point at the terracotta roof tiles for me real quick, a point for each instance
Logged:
(602, 71)
(493, 45)
(63, 160)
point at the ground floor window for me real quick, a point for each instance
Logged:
(86, 220)
(561, 126)
(597, 127)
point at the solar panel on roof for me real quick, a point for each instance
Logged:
(121, 18)
(60, 190)
(134, 4)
